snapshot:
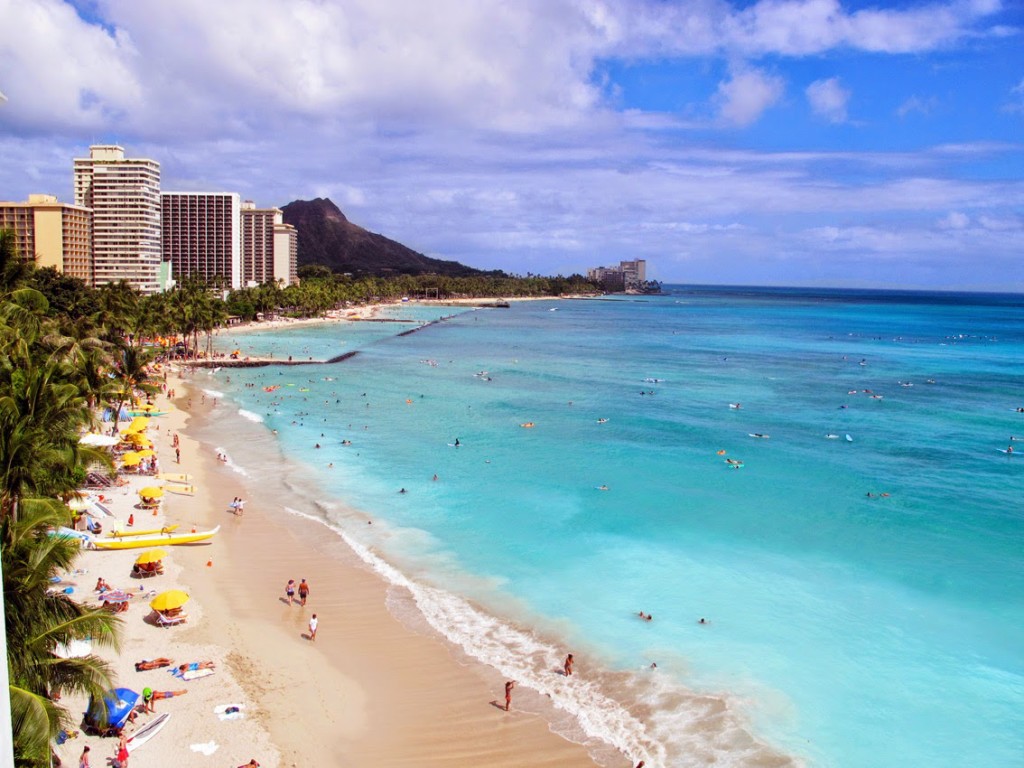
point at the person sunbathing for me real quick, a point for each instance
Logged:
(141, 666)
(101, 585)
(194, 666)
(117, 607)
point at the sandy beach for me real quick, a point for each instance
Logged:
(369, 691)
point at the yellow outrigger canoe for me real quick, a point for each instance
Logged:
(150, 532)
(164, 540)
(171, 477)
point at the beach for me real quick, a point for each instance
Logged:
(369, 691)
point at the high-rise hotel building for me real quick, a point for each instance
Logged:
(124, 195)
(202, 236)
(269, 247)
(52, 234)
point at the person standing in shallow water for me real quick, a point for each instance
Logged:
(508, 693)
(568, 665)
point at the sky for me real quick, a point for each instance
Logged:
(773, 142)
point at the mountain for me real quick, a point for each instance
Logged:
(326, 237)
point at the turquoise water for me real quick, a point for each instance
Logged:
(842, 629)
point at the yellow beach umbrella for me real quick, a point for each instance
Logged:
(139, 440)
(169, 600)
(151, 556)
(146, 452)
(130, 459)
(151, 492)
(139, 423)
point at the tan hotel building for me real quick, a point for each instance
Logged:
(54, 234)
(269, 247)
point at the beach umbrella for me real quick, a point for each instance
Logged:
(139, 440)
(151, 492)
(116, 704)
(146, 452)
(98, 440)
(130, 459)
(151, 556)
(169, 600)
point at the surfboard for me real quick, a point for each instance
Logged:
(758, 434)
(1007, 452)
(849, 439)
(147, 732)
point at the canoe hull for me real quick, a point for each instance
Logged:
(167, 539)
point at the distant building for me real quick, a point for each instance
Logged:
(202, 236)
(51, 233)
(269, 247)
(124, 195)
(628, 276)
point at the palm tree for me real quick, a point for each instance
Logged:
(38, 622)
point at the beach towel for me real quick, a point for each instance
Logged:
(195, 674)
(229, 711)
(207, 749)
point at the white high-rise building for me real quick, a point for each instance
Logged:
(269, 246)
(202, 236)
(124, 195)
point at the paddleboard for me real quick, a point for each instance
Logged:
(758, 434)
(147, 732)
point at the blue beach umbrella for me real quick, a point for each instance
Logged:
(119, 703)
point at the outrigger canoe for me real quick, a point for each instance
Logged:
(151, 531)
(181, 490)
(166, 539)
(170, 477)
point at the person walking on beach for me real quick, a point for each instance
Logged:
(122, 752)
(303, 592)
(177, 455)
(312, 628)
(568, 665)
(83, 761)
(508, 693)
(289, 591)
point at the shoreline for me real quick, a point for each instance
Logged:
(384, 694)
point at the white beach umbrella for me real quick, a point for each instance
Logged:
(99, 440)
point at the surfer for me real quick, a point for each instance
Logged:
(457, 443)
(1009, 449)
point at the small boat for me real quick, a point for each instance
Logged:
(150, 532)
(171, 477)
(166, 539)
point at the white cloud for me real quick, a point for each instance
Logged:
(746, 95)
(59, 71)
(828, 99)
(917, 104)
(955, 220)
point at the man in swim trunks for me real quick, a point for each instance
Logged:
(303, 592)
(142, 666)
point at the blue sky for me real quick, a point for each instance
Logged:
(781, 142)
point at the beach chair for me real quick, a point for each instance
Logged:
(170, 621)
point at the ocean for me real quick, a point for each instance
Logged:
(819, 475)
